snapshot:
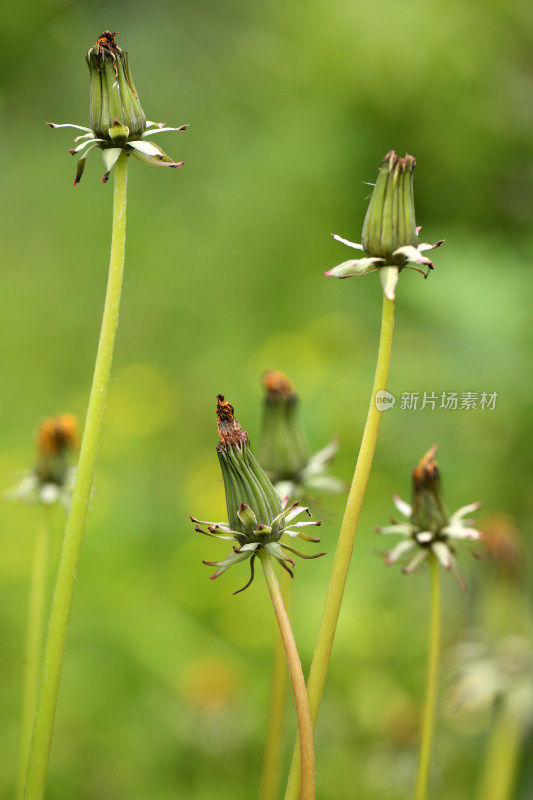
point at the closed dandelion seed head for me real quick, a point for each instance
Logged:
(52, 478)
(284, 451)
(117, 123)
(428, 510)
(429, 528)
(57, 435)
(257, 519)
(390, 234)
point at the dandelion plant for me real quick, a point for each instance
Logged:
(492, 665)
(285, 455)
(118, 127)
(430, 535)
(257, 523)
(284, 452)
(390, 242)
(49, 483)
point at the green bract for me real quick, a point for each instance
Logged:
(117, 122)
(390, 233)
(256, 517)
(429, 527)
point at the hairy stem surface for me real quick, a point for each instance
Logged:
(34, 640)
(430, 700)
(503, 755)
(343, 553)
(305, 725)
(272, 757)
(70, 553)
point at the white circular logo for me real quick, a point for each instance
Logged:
(384, 400)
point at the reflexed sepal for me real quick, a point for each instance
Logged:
(234, 558)
(110, 158)
(354, 268)
(160, 127)
(389, 280)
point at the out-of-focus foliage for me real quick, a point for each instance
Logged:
(292, 107)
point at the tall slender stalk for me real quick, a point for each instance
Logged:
(272, 754)
(343, 553)
(430, 700)
(305, 725)
(503, 754)
(66, 577)
(34, 639)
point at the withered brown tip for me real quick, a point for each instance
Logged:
(106, 41)
(57, 434)
(229, 429)
(277, 384)
(427, 470)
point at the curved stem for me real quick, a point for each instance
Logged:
(68, 564)
(430, 700)
(34, 639)
(305, 725)
(343, 553)
(271, 769)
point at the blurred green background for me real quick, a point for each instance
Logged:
(292, 107)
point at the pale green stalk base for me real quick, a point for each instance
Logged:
(272, 756)
(502, 758)
(430, 700)
(34, 640)
(305, 725)
(70, 553)
(343, 553)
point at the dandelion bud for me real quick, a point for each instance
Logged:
(57, 438)
(504, 547)
(284, 451)
(257, 518)
(390, 233)
(113, 95)
(429, 527)
(244, 480)
(52, 478)
(118, 125)
(390, 219)
(429, 511)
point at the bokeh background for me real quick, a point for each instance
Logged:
(292, 107)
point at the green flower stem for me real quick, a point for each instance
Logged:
(343, 553)
(66, 576)
(430, 700)
(34, 640)
(272, 756)
(305, 725)
(499, 777)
